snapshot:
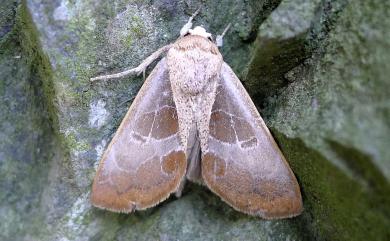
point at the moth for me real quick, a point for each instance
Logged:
(193, 120)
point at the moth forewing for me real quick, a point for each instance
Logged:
(243, 164)
(145, 161)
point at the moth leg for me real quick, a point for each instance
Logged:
(179, 190)
(137, 70)
(184, 30)
(193, 164)
(219, 39)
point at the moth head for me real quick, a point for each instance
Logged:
(200, 31)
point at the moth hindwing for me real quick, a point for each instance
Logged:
(193, 119)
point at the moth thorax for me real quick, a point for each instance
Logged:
(193, 86)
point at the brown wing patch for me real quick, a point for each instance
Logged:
(165, 123)
(173, 162)
(221, 127)
(244, 130)
(243, 164)
(237, 186)
(144, 162)
(145, 123)
(128, 191)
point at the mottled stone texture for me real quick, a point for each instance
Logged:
(318, 70)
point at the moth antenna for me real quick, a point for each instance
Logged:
(137, 70)
(188, 25)
(194, 15)
(219, 39)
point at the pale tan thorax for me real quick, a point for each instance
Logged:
(194, 66)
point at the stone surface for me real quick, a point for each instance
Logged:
(318, 69)
(281, 44)
(336, 108)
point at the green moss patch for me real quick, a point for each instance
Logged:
(336, 206)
